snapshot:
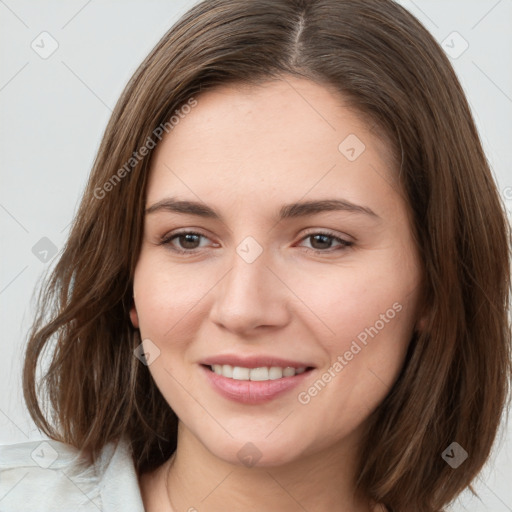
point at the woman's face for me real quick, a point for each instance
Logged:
(299, 285)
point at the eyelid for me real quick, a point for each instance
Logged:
(166, 240)
(344, 243)
(325, 231)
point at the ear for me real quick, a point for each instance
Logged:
(421, 322)
(133, 315)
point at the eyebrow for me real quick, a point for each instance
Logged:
(287, 211)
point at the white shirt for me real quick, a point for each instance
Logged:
(44, 476)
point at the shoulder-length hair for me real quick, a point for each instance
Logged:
(455, 380)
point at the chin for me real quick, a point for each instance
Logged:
(256, 450)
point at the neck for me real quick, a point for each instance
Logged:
(198, 480)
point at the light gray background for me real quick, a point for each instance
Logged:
(53, 112)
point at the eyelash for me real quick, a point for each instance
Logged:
(166, 240)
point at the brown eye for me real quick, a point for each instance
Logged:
(186, 241)
(323, 242)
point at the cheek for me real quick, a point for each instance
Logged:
(371, 310)
(336, 303)
(352, 300)
(362, 313)
(166, 296)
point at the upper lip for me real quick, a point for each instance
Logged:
(254, 361)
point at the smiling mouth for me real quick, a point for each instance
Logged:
(263, 373)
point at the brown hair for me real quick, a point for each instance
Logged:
(455, 380)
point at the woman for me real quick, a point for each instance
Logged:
(208, 346)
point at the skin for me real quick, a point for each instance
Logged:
(246, 151)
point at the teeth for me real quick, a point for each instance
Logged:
(226, 369)
(259, 374)
(275, 373)
(240, 373)
(256, 374)
(288, 372)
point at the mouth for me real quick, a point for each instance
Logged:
(258, 374)
(254, 382)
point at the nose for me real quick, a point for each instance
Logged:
(250, 297)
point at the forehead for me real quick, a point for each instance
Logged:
(286, 136)
(281, 114)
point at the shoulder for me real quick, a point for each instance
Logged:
(49, 475)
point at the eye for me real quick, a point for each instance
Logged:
(322, 242)
(188, 241)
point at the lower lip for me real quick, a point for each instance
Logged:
(250, 391)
